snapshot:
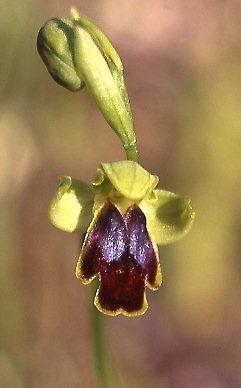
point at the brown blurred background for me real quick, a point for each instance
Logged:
(183, 70)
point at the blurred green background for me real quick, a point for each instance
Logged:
(183, 70)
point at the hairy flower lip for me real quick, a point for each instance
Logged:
(119, 249)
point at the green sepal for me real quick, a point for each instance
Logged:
(55, 44)
(71, 208)
(169, 217)
(93, 69)
(129, 179)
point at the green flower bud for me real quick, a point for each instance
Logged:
(55, 45)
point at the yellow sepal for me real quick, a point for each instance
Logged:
(71, 208)
(169, 217)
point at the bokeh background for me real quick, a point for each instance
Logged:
(183, 70)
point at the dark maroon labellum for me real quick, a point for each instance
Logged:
(120, 250)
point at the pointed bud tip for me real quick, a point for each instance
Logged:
(74, 13)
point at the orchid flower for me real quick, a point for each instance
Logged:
(124, 217)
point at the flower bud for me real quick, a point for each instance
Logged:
(55, 46)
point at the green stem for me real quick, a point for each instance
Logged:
(131, 152)
(102, 362)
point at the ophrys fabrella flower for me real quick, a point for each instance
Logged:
(124, 217)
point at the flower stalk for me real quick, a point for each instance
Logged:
(123, 215)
